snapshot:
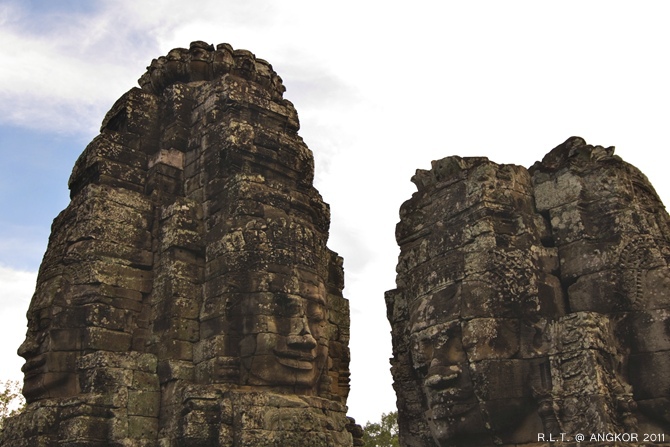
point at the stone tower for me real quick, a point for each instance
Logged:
(532, 304)
(187, 296)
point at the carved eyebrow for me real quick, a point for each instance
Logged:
(319, 300)
(442, 327)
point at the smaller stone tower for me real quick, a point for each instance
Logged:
(531, 304)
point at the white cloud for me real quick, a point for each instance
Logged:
(45, 86)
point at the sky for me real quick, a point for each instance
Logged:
(381, 88)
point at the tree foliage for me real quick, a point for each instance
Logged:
(382, 434)
(11, 399)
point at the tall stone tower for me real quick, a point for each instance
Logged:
(532, 305)
(187, 296)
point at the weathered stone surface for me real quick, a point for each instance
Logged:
(187, 296)
(531, 303)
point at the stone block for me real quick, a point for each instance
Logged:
(648, 375)
(501, 378)
(141, 427)
(598, 292)
(97, 338)
(83, 429)
(567, 224)
(647, 331)
(105, 380)
(175, 370)
(563, 189)
(584, 257)
(144, 403)
(491, 338)
(145, 381)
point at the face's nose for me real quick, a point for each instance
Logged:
(29, 347)
(301, 336)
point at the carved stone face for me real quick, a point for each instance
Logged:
(32, 350)
(49, 369)
(472, 385)
(285, 341)
(442, 365)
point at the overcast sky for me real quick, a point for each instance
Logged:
(381, 88)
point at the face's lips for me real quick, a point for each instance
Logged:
(451, 410)
(447, 395)
(442, 377)
(440, 381)
(296, 359)
(32, 367)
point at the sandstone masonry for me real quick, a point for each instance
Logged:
(187, 296)
(532, 303)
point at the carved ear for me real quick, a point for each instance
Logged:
(325, 385)
(539, 379)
